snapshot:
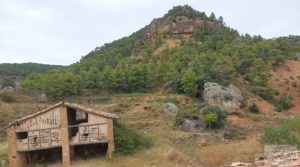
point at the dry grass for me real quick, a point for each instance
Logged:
(3, 150)
(154, 123)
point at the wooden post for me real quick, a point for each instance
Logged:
(15, 158)
(64, 137)
(110, 136)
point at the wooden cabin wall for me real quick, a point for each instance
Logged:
(49, 119)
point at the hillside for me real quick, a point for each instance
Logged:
(145, 61)
(24, 69)
(227, 90)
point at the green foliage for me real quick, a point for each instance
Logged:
(214, 53)
(24, 69)
(127, 141)
(285, 102)
(189, 82)
(7, 97)
(56, 84)
(211, 111)
(184, 11)
(180, 116)
(265, 92)
(254, 108)
(210, 118)
(287, 133)
(7, 82)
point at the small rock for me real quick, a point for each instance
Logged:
(170, 108)
(42, 98)
(7, 89)
(147, 107)
(193, 125)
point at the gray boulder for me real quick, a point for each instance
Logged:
(193, 125)
(18, 86)
(228, 98)
(170, 108)
(42, 98)
(7, 89)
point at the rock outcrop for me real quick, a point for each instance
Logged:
(170, 108)
(7, 89)
(228, 98)
(182, 25)
(193, 125)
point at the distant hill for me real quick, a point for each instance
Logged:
(178, 52)
(24, 69)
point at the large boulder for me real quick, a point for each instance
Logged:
(193, 125)
(228, 98)
(170, 108)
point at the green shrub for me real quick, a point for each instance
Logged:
(285, 102)
(128, 141)
(7, 97)
(180, 116)
(254, 108)
(210, 118)
(117, 109)
(220, 114)
(264, 92)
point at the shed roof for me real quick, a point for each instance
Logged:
(71, 105)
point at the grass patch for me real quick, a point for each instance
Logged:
(7, 97)
(286, 133)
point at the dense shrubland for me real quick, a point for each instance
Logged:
(215, 52)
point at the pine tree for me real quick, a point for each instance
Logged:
(189, 82)
(108, 79)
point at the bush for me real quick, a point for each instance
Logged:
(264, 92)
(180, 116)
(117, 109)
(128, 141)
(220, 114)
(285, 102)
(254, 108)
(286, 133)
(7, 97)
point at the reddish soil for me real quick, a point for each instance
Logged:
(286, 79)
(171, 43)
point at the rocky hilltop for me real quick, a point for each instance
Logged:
(180, 20)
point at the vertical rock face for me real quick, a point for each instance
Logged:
(228, 98)
(181, 25)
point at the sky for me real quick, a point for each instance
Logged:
(62, 31)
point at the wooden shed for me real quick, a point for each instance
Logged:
(62, 128)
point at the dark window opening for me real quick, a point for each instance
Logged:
(90, 150)
(22, 135)
(75, 118)
(46, 156)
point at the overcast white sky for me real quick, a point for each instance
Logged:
(61, 31)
